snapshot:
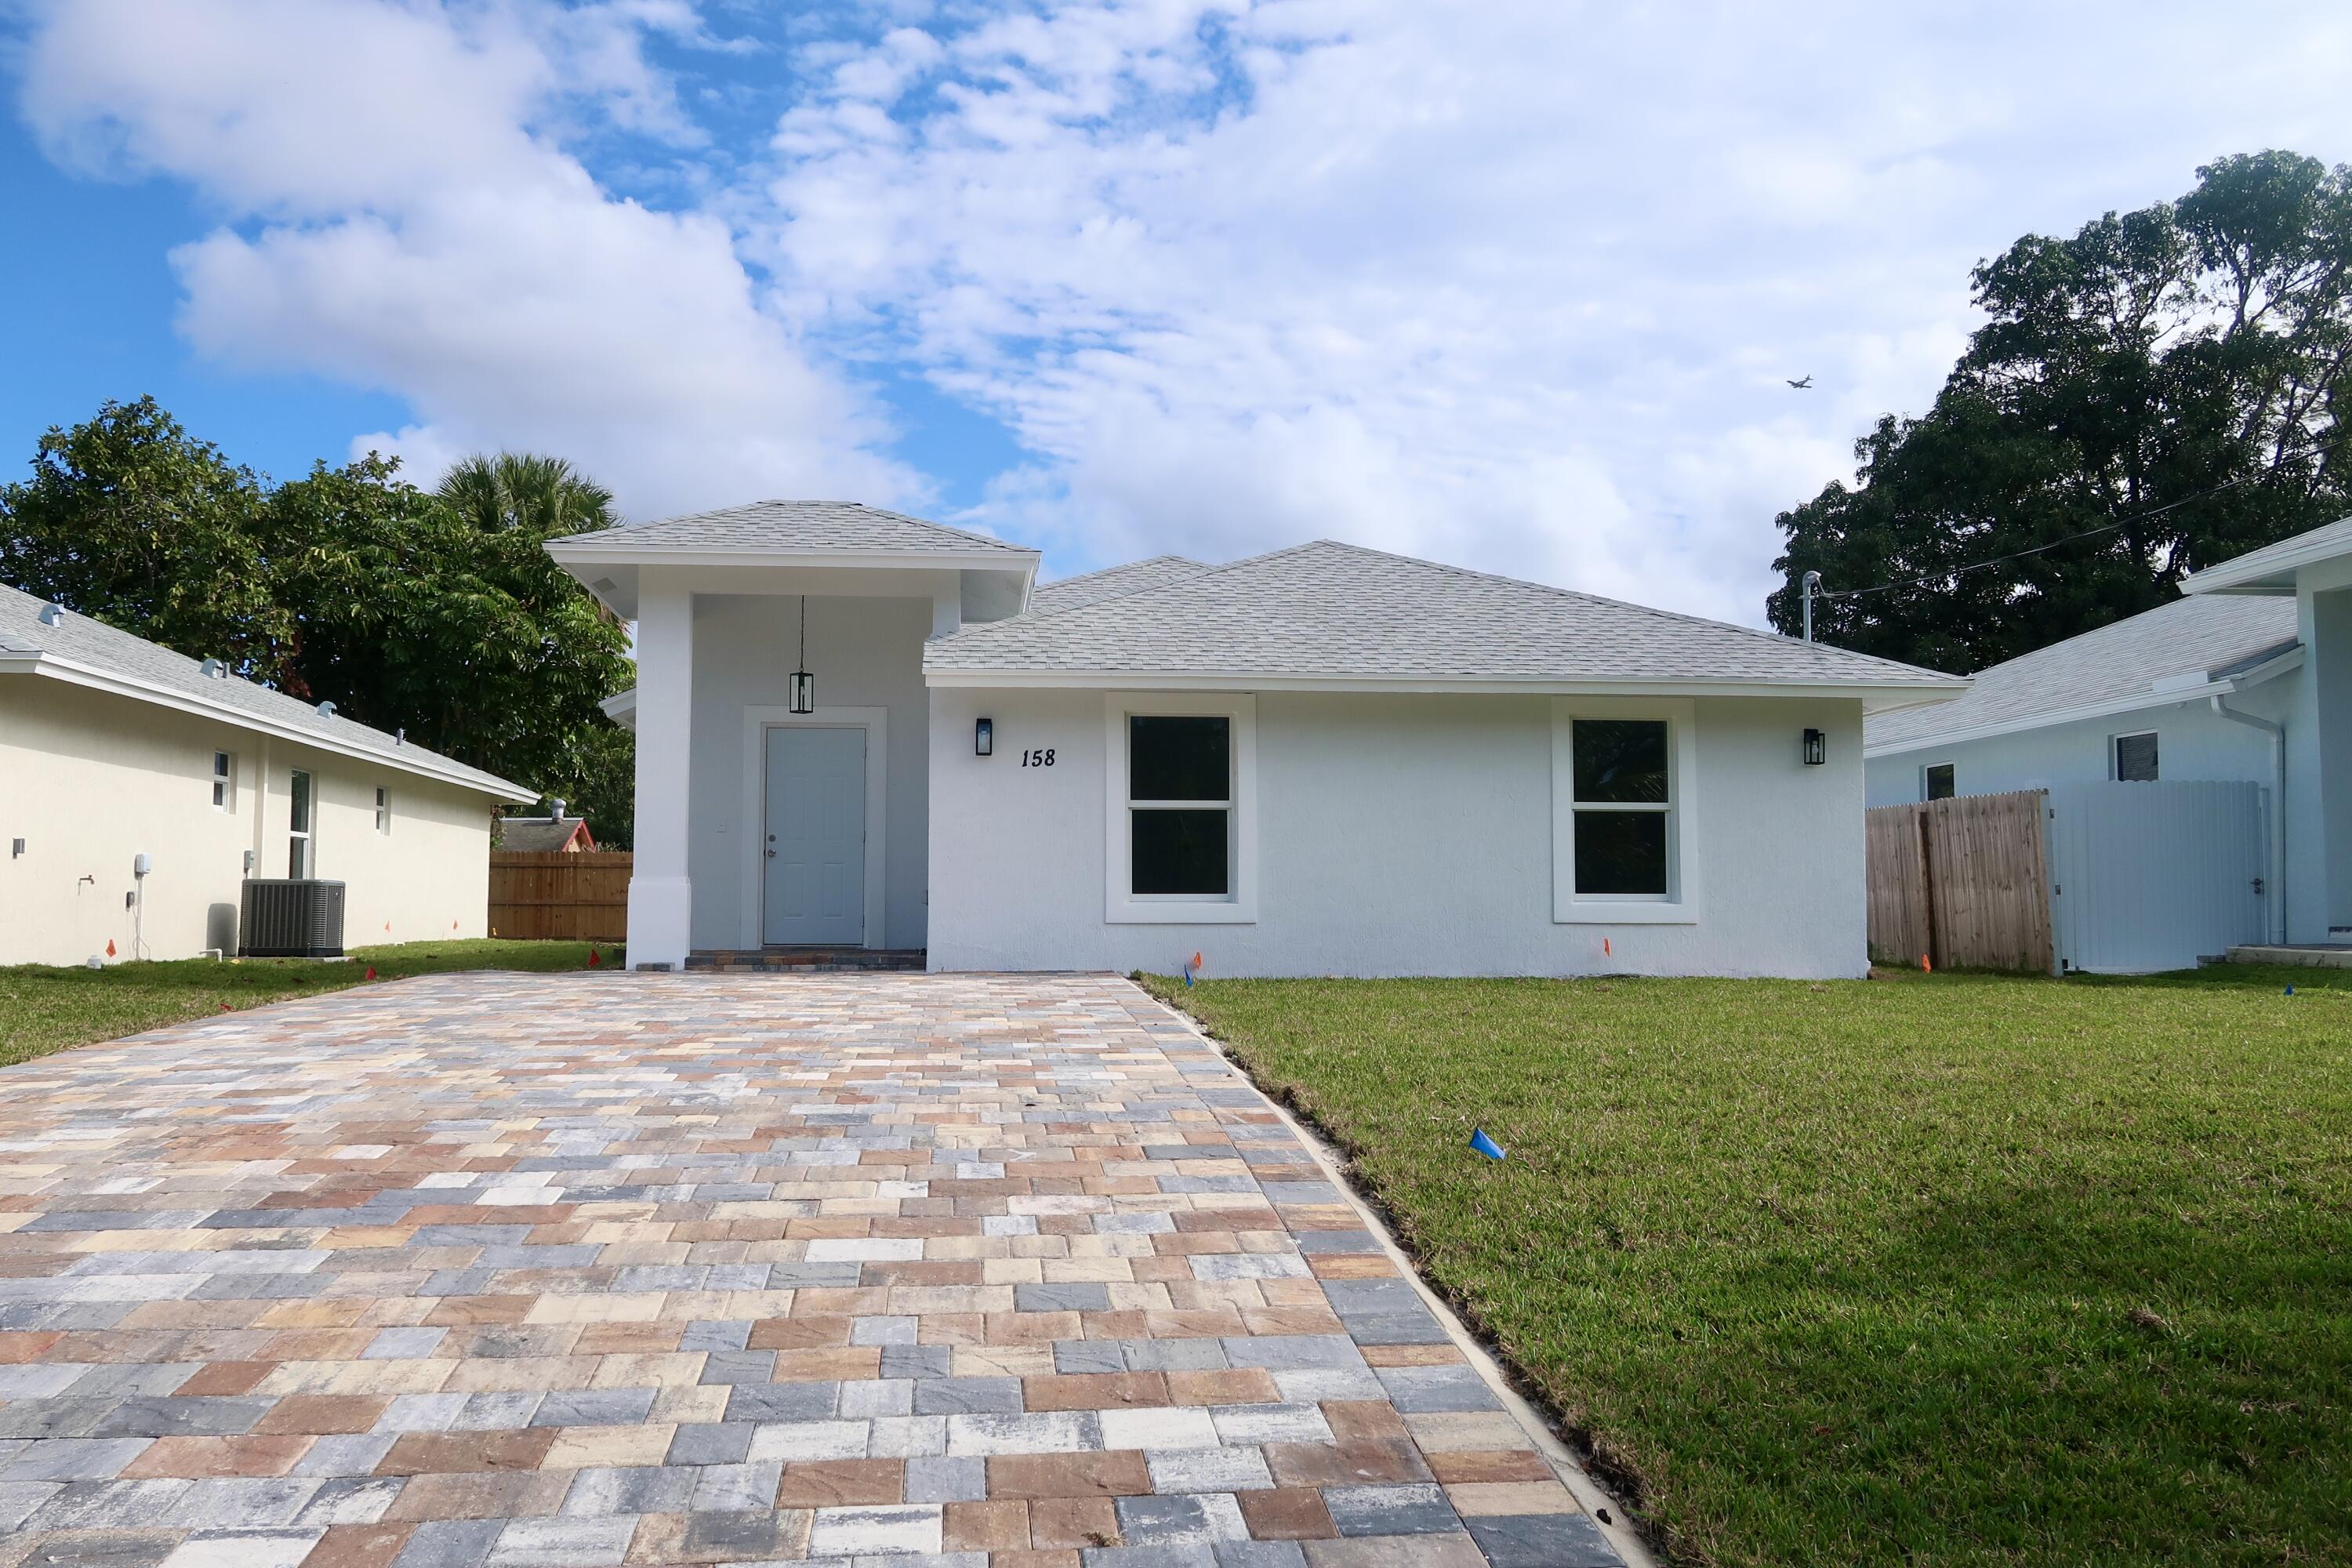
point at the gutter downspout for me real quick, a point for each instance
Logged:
(2277, 733)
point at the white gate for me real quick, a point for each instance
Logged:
(2155, 875)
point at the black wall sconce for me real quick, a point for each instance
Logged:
(1817, 748)
(984, 737)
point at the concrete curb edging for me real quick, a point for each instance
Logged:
(1589, 1494)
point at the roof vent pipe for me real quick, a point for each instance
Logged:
(51, 613)
(559, 811)
(326, 709)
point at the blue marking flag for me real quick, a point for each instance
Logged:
(1486, 1146)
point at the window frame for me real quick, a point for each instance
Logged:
(384, 810)
(2115, 758)
(305, 835)
(1681, 903)
(225, 782)
(1121, 905)
(1925, 785)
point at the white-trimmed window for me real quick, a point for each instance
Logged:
(1180, 840)
(224, 781)
(1623, 818)
(382, 809)
(2131, 759)
(300, 809)
(1936, 782)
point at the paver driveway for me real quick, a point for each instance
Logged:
(1012, 1272)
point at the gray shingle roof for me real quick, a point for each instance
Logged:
(1110, 583)
(2212, 636)
(97, 646)
(1340, 610)
(537, 833)
(822, 527)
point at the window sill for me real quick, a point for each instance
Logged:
(1177, 912)
(1601, 913)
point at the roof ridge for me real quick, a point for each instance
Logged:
(982, 630)
(1680, 617)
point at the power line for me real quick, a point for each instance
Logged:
(2086, 533)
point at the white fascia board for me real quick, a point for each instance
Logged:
(56, 668)
(2274, 574)
(723, 557)
(1871, 696)
(2136, 702)
(620, 707)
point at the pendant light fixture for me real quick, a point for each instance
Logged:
(803, 699)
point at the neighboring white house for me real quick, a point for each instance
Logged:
(112, 748)
(1325, 760)
(2247, 680)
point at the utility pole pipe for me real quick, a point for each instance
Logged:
(1813, 580)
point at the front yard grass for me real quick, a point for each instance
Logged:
(45, 1008)
(1948, 1269)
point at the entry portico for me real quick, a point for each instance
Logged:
(757, 825)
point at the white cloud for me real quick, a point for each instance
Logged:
(409, 221)
(1517, 285)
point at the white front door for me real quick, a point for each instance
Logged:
(814, 848)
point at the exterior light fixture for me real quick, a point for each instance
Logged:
(804, 697)
(984, 737)
(1817, 748)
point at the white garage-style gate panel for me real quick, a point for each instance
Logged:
(2147, 877)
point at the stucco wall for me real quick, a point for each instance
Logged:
(88, 780)
(864, 653)
(1398, 834)
(2193, 743)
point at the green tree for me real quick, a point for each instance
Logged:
(437, 611)
(2170, 377)
(129, 519)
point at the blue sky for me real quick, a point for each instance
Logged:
(1516, 286)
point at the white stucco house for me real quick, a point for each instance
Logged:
(112, 749)
(1322, 761)
(2247, 680)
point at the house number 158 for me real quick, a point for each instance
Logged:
(1043, 759)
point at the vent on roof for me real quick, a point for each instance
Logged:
(326, 709)
(214, 669)
(52, 613)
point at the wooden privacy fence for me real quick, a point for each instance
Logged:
(560, 895)
(1963, 881)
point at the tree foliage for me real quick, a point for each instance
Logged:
(2173, 377)
(436, 611)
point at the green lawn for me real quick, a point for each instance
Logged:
(1951, 1269)
(45, 1009)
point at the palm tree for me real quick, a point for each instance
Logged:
(543, 497)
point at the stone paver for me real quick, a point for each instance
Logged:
(479, 1270)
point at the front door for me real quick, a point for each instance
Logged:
(815, 836)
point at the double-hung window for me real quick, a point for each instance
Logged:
(299, 810)
(1180, 840)
(1622, 775)
(224, 781)
(382, 809)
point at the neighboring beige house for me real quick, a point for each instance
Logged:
(112, 748)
